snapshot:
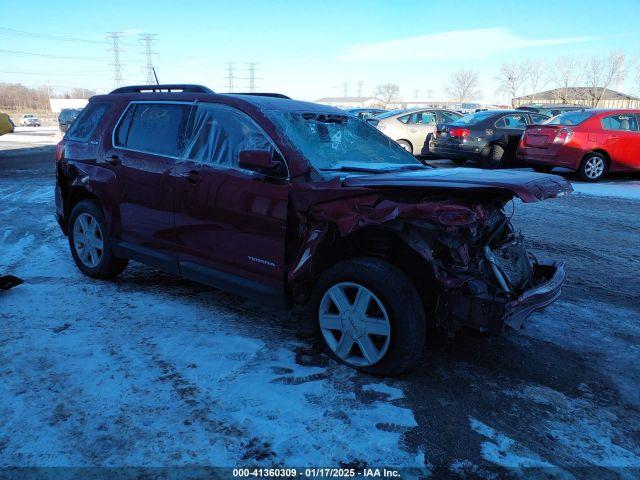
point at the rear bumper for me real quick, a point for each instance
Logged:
(458, 150)
(566, 158)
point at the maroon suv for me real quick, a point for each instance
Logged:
(301, 204)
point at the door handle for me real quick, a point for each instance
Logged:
(192, 176)
(114, 160)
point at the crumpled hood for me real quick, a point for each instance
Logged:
(528, 186)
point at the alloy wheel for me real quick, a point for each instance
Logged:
(88, 240)
(594, 167)
(354, 324)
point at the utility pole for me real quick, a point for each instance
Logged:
(117, 66)
(252, 76)
(345, 89)
(416, 92)
(360, 84)
(147, 40)
(230, 76)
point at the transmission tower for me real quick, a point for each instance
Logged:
(360, 85)
(252, 76)
(231, 76)
(147, 40)
(345, 89)
(117, 66)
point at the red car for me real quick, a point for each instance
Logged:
(591, 142)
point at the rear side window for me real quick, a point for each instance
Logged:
(513, 122)
(87, 122)
(624, 122)
(217, 134)
(153, 128)
(538, 118)
(449, 116)
(570, 118)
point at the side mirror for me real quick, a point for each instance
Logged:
(262, 161)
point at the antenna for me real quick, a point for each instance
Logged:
(156, 76)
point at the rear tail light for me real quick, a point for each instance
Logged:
(563, 136)
(459, 132)
(59, 151)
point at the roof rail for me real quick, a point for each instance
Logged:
(167, 88)
(262, 94)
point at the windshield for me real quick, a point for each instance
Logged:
(473, 118)
(570, 118)
(334, 142)
(388, 114)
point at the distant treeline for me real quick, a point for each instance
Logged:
(17, 97)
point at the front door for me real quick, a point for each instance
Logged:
(230, 222)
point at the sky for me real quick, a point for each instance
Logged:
(305, 49)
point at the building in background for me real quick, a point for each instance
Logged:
(350, 102)
(58, 104)
(586, 96)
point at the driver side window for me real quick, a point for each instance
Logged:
(216, 135)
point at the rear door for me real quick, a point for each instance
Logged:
(421, 127)
(230, 222)
(146, 143)
(622, 140)
(510, 127)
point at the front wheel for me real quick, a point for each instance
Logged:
(593, 167)
(90, 244)
(369, 316)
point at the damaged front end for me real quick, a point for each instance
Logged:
(475, 270)
(487, 277)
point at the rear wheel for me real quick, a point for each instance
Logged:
(492, 157)
(593, 167)
(542, 169)
(369, 316)
(90, 243)
(406, 145)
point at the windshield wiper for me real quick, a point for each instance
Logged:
(348, 168)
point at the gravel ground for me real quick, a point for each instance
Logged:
(149, 370)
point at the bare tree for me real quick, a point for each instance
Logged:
(535, 77)
(463, 85)
(602, 73)
(387, 93)
(511, 78)
(567, 73)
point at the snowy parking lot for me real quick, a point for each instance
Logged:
(151, 370)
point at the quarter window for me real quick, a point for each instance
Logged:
(154, 128)
(624, 122)
(217, 134)
(87, 122)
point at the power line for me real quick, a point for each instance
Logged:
(13, 31)
(117, 66)
(147, 40)
(46, 55)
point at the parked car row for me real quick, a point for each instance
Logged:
(589, 141)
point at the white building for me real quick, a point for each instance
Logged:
(58, 104)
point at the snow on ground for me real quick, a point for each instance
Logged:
(115, 373)
(629, 189)
(30, 136)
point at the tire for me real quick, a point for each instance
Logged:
(593, 167)
(542, 168)
(406, 145)
(93, 261)
(492, 157)
(396, 342)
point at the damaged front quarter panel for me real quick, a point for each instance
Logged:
(479, 269)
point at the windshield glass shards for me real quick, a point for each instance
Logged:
(336, 142)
